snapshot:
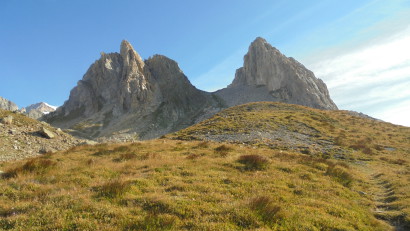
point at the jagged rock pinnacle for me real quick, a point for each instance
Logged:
(277, 77)
(128, 53)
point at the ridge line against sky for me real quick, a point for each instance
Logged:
(48, 45)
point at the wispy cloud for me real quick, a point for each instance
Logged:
(374, 79)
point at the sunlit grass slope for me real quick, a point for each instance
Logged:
(174, 185)
(373, 147)
(329, 181)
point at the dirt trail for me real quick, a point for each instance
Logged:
(386, 209)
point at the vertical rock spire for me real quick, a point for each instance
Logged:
(129, 55)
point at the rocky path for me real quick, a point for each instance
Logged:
(384, 197)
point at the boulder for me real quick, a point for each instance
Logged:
(46, 133)
(8, 120)
(88, 142)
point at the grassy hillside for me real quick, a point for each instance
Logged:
(380, 150)
(342, 173)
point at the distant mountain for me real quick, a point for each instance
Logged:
(122, 94)
(6, 104)
(37, 110)
(268, 75)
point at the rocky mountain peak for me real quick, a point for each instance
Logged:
(122, 93)
(6, 104)
(130, 56)
(42, 106)
(37, 110)
(277, 77)
(261, 43)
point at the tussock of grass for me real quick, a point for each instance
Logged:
(254, 162)
(126, 157)
(36, 166)
(394, 161)
(204, 144)
(113, 188)
(102, 152)
(154, 222)
(340, 174)
(223, 150)
(266, 209)
(193, 156)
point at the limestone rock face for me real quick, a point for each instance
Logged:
(268, 75)
(116, 82)
(122, 94)
(7, 105)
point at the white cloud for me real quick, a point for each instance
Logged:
(374, 79)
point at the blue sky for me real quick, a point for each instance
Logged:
(47, 45)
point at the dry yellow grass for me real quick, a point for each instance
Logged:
(170, 184)
(163, 187)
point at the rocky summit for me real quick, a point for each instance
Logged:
(37, 110)
(122, 95)
(7, 105)
(268, 75)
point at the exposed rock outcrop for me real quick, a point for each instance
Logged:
(24, 137)
(268, 75)
(7, 105)
(120, 93)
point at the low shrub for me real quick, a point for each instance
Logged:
(193, 156)
(254, 162)
(223, 150)
(204, 144)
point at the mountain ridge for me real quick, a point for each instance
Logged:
(123, 94)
